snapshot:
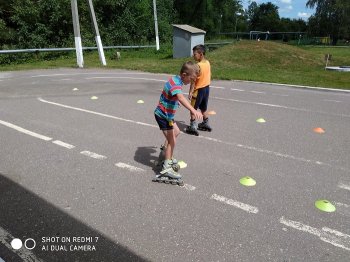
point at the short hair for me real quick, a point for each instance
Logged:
(199, 49)
(189, 67)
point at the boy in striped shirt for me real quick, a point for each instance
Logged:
(166, 109)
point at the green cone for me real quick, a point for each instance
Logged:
(324, 205)
(247, 181)
(260, 120)
(182, 164)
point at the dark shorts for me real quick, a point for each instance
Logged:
(200, 99)
(163, 123)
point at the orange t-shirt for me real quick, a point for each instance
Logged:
(204, 77)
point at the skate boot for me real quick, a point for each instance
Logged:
(204, 126)
(192, 129)
(175, 165)
(161, 156)
(168, 175)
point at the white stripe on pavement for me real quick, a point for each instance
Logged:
(129, 167)
(63, 144)
(25, 131)
(189, 187)
(93, 155)
(343, 186)
(25, 254)
(326, 234)
(96, 113)
(245, 207)
(124, 77)
(278, 106)
(239, 90)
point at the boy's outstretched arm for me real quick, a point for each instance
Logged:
(187, 104)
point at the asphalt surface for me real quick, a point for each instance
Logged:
(72, 166)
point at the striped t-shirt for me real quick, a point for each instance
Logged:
(168, 102)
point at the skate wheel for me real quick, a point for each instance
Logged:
(166, 181)
(180, 183)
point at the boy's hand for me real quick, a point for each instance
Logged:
(198, 115)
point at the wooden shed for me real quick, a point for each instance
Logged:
(185, 37)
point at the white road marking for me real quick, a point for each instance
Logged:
(326, 234)
(235, 89)
(231, 202)
(217, 87)
(60, 143)
(189, 187)
(96, 113)
(124, 77)
(93, 155)
(330, 100)
(343, 186)
(202, 137)
(25, 131)
(129, 167)
(278, 106)
(25, 254)
(258, 92)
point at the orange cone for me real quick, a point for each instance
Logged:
(318, 130)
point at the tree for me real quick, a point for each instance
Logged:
(264, 17)
(331, 18)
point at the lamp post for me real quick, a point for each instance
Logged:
(237, 14)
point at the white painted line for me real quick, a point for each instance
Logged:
(25, 254)
(278, 106)
(125, 77)
(129, 167)
(189, 187)
(96, 113)
(258, 92)
(235, 89)
(25, 131)
(330, 100)
(60, 143)
(217, 87)
(231, 202)
(93, 155)
(343, 186)
(92, 73)
(326, 234)
(202, 137)
(289, 85)
(341, 205)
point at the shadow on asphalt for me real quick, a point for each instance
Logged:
(25, 215)
(149, 156)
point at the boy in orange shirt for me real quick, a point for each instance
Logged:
(199, 91)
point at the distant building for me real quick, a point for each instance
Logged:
(185, 37)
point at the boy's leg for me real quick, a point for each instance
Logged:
(192, 128)
(171, 138)
(203, 107)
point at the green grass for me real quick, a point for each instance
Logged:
(264, 61)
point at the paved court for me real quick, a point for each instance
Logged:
(77, 159)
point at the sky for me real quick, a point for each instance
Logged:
(293, 9)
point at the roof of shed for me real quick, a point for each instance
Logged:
(190, 29)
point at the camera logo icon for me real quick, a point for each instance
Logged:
(17, 243)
